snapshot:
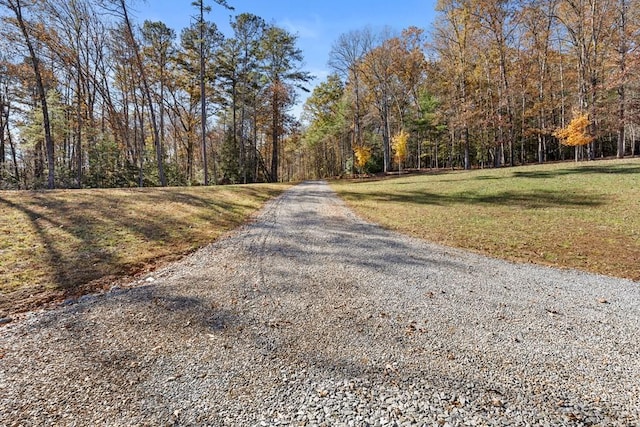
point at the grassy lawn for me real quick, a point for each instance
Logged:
(584, 216)
(63, 243)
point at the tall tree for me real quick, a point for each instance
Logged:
(159, 49)
(122, 9)
(346, 55)
(328, 124)
(537, 22)
(452, 41)
(378, 73)
(588, 24)
(17, 7)
(202, 8)
(248, 31)
(623, 38)
(237, 70)
(187, 100)
(199, 4)
(76, 39)
(5, 109)
(281, 64)
(498, 19)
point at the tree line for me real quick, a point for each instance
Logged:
(493, 83)
(91, 98)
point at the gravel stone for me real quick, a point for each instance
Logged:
(312, 317)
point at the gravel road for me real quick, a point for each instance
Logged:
(311, 317)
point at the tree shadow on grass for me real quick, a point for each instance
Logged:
(77, 242)
(163, 228)
(618, 169)
(55, 261)
(535, 199)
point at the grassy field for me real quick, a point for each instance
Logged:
(58, 244)
(584, 216)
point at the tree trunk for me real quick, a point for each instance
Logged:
(79, 122)
(386, 137)
(274, 134)
(14, 156)
(147, 94)
(203, 102)
(467, 157)
(42, 94)
(621, 87)
(3, 125)
(160, 147)
(358, 130)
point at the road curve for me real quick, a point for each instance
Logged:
(310, 316)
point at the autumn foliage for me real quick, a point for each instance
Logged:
(363, 154)
(576, 133)
(400, 142)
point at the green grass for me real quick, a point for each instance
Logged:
(582, 216)
(63, 243)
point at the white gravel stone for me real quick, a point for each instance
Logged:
(310, 316)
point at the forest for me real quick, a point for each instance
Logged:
(90, 97)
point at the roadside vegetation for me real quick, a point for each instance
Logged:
(63, 243)
(582, 216)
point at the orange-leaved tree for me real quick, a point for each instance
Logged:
(576, 134)
(400, 142)
(363, 154)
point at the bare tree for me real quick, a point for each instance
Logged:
(17, 7)
(345, 58)
(122, 9)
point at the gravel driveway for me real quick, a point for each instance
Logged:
(310, 316)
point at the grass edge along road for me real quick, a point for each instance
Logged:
(582, 216)
(64, 243)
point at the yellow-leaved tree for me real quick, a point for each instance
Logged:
(576, 134)
(363, 154)
(400, 142)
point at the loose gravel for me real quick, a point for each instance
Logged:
(311, 317)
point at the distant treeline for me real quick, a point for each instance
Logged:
(493, 83)
(91, 98)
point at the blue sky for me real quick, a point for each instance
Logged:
(317, 23)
